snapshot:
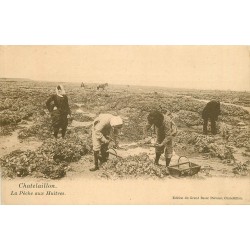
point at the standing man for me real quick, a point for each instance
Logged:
(103, 125)
(211, 112)
(165, 131)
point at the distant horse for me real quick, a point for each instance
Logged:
(102, 86)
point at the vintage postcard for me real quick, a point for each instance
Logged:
(125, 125)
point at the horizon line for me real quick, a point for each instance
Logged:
(133, 84)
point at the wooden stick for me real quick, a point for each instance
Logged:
(116, 155)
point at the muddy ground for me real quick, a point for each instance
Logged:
(28, 150)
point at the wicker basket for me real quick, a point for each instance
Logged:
(177, 171)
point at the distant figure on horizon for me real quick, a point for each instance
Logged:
(102, 86)
(211, 112)
(58, 107)
(82, 85)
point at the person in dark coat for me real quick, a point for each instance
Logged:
(211, 112)
(58, 107)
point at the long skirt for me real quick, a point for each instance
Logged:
(59, 120)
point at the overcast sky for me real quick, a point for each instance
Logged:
(204, 67)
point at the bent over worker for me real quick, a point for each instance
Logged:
(165, 131)
(103, 125)
(211, 112)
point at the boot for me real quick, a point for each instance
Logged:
(213, 127)
(63, 133)
(56, 130)
(104, 153)
(104, 157)
(168, 161)
(96, 158)
(157, 158)
(205, 122)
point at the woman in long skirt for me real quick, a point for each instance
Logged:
(58, 107)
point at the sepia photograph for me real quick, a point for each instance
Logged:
(125, 124)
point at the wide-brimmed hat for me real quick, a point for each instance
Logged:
(116, 121)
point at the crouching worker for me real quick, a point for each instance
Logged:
(165, 131)
(58, 107)
(211, 112)
(103, 125)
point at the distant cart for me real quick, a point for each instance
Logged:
(183, 169)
